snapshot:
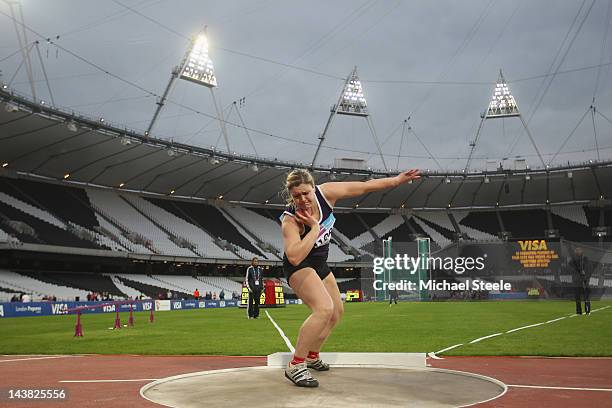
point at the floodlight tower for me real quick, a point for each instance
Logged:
(502, 105)
(353, 103)
(195, 67)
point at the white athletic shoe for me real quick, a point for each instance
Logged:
(300, 376)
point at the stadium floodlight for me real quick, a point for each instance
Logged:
(198, 67)
(353, 101)
(502, 103)
(4, 165)
(121, 185)
(172, 192)
(66, 176)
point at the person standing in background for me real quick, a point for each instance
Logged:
(254, 282)
(581, 275)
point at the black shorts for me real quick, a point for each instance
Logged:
(318, 263)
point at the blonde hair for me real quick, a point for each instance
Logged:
(295, 178)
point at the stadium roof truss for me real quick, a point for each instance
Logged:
(38, 141)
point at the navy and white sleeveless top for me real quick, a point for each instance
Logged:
(326, 224)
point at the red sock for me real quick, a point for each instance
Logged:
(313, 355)
(297, 360)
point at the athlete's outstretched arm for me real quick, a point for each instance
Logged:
(345, 189)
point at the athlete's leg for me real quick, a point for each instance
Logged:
(334, 293)
(308, 286)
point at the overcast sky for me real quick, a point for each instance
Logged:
(399, 48)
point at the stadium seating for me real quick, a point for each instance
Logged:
(118, 208)
(210, 219)
(265, 229)
(37, 288)
(472, 233)
(85, 281)
(204, 244)
(525, 223)
(48, 229)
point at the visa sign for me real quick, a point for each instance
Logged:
(59, 308)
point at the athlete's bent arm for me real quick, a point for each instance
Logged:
(345, 189)
(298, 249)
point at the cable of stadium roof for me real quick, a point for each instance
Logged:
(271, 61)
(104, 126)
(264, 59)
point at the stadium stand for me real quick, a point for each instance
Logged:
(436, 237)
(269, 251)
(47, 228)
(385, 225)
(573, 213)
(37, 288)
(472, 233)
(127, 290)
(266, 230)
(351, 225)
(202, 243)
(483, 221)
(3, 236)
(525, 223)
(85, 281)
(217, 283)
(151, 291)
(211, 220)
(128, 216)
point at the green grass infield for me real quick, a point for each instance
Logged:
(366, 327)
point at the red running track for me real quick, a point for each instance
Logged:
(28, 372)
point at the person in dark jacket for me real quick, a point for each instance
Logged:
(581, 274)
(254, 282)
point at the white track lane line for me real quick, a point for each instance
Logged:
(36, 358)
(282, 333)
(559, 388)
(109, 381)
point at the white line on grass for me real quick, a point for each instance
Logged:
(601, 308)
(560, 388)
(448, 348)
(526, 327)
(109, 381)
(511, 331)
(282, 333)
(485, 337)
(36, 358)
